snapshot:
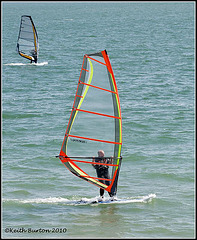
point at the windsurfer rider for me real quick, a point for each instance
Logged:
(102, 170)
(34, 55)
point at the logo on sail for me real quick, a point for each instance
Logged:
(78, 140)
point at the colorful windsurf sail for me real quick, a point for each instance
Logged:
(27, 44)
(95, 123)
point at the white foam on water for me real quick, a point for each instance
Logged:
(85, 201)
(23, 64)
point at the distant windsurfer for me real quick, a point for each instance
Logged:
(102, 170)
(27, 43)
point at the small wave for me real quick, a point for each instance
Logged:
(145, 199)
(68, 19)
(15, 64)
(50, 200)
(41, 64)
(46, 200)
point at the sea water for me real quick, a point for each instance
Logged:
(151, 49)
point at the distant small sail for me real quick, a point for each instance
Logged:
(27, 44)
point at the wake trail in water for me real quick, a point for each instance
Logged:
(84, 201)
(28, 64)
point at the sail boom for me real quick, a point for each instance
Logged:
(105, 179)
(89, 157)
(94, 163)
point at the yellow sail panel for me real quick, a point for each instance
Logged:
(25, 56)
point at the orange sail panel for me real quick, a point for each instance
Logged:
(95, 123)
